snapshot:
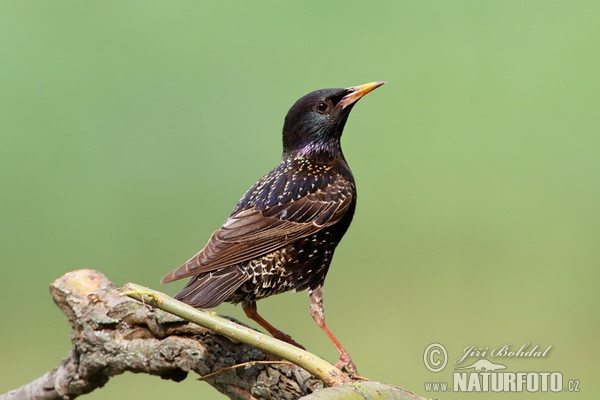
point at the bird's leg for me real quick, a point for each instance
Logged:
(251, 312)
(318, 313)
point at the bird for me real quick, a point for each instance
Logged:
(283, 232)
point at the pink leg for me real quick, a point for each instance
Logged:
(252, 313)
(318, 313)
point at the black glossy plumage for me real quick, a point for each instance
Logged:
(282, 233)
(279, 237)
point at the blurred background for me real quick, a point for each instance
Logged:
(129, 130)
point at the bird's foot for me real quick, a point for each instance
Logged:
(287, 338)
(345, 364)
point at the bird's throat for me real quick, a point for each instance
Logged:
(320, 151)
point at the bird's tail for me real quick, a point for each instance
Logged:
(210, 289)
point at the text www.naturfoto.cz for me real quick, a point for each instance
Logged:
(436, 386)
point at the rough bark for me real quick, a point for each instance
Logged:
(113, 334)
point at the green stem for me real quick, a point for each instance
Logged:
(315, 365)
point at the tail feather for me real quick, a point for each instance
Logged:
(210, 289)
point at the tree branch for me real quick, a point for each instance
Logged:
(318, 367)
(113, 334)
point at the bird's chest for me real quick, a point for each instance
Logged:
(298, 266)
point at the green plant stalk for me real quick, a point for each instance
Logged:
(315, 365)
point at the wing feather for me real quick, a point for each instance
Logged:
(210, 290)
(250, 233)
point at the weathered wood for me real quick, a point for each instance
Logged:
(113, 334)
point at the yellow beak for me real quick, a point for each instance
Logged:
(356, 92)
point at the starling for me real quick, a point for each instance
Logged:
(282, 234)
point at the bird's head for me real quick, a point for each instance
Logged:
(314, 124)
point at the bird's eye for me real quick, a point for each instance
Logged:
(322, 107)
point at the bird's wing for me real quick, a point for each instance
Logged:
(250, 233)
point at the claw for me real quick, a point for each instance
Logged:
(345, 364)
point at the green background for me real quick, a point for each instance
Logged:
(128, 131)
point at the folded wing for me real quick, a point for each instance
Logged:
(250, 233)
